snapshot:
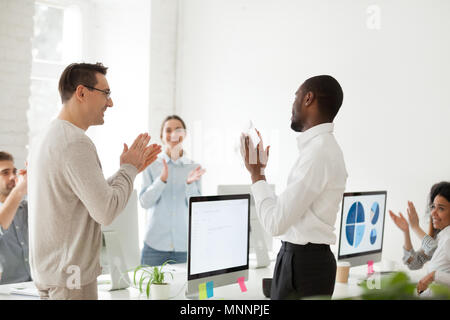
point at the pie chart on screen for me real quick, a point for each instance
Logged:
(374, 212)
(373, 236)
(355, 226)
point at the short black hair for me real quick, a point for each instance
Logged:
(5, 156)
(328, 93)
(440, 189)
(76, 74)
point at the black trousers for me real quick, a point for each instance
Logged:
(303, 271)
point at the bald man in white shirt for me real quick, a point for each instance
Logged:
(303, 216)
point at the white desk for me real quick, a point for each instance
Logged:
(177, 288)
(230, 292)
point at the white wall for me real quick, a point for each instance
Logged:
(117, 33)
(163, 63)
(16, 31)
(244, 59)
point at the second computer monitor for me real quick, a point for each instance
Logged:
(362, 227)
(254, 222)
(218, 240)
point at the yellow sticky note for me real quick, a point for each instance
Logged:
(202, 291)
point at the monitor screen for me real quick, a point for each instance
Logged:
(362, 223)
(218, 235)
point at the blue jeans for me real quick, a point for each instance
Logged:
(152, 257)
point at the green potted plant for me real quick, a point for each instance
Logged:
(156, 287)
(399, 286)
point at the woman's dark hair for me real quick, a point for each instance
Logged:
(439, 189)
(76, 74)
(172, 117)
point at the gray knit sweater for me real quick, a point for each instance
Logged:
(69, 199)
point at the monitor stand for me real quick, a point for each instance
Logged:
(370, 274)
(195, 296)
(259, 245)
(113, 262)
(214, 292)
(388, 267)
(361, 272)
(191, 296)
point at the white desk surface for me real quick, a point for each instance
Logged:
(230, 292)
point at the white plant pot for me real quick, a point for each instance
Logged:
(159, 291)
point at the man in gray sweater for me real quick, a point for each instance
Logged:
(68, 195)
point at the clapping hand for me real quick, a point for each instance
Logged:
(165, 171)
(425, 282)
(400, 221)
(150, 155)
(139, 154)
(22, 181)
(412, 215)
(195, 175)
(255, 163)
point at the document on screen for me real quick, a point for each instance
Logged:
(219, 235)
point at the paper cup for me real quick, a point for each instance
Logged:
(343, 269)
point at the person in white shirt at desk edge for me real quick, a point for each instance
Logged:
(303, 216)
(436, 244)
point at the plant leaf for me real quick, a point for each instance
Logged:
(148, 289)
(140, 282)
(135, 272)
(440, 291)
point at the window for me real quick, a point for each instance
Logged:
(56, 43)
(48, 33)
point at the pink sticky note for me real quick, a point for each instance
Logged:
(242, 284)
(370, 267)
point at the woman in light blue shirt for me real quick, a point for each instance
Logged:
(167, 185)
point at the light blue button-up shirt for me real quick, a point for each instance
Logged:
(167, 203)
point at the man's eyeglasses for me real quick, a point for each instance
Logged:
(107, 92)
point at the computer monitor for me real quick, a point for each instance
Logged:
(218, 241)
(261, 243)
(362, 227)
(120, 245)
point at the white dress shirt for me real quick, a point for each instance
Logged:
(440, 262)
(306, 211)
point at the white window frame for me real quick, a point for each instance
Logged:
(43, 70)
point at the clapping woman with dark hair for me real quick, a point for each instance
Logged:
(435, 244)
